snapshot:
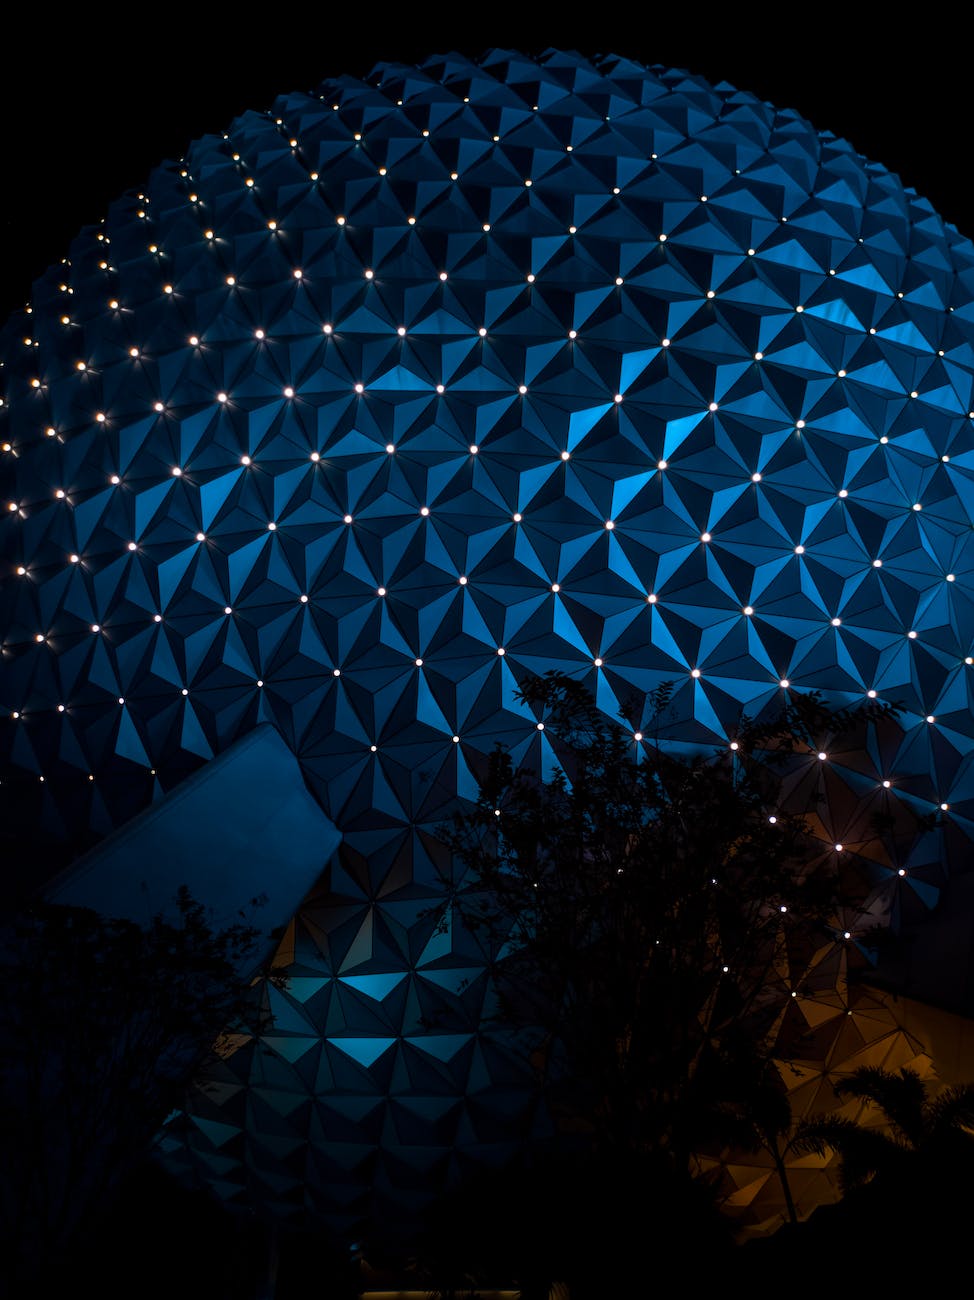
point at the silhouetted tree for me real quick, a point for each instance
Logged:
(906, 1191)
(744, 1105)
(638, 901)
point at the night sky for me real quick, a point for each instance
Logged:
(91, 107)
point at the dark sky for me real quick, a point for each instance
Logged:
(92, 106)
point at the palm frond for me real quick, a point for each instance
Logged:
(951, 1111)
(816, 1137)
(901, 1096)
(863, 1152)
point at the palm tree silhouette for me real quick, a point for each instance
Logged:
(759, 1118)
(928, 1143)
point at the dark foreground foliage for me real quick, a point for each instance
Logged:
(102, 1023)
(640, 902)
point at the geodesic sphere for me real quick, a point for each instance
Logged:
(408, 389)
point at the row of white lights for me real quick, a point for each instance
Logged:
(289, 392)
(462, 581)
(401, 331)
(424, 512)
(733, 746)
(638, 736)
(248, 462)
(598, 662)
(84, 367)
(369, 274)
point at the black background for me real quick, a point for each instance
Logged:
(91, 102)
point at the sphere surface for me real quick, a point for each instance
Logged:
(411, 388)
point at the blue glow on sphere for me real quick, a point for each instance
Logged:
(411, 388)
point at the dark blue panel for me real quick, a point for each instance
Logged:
(243, 827)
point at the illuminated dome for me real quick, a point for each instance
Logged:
(413, 387)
